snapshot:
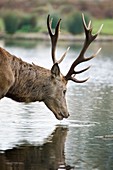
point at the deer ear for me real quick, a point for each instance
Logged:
(55, 70)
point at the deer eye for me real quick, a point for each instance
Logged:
(64, 92)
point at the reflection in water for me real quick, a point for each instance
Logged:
(49, 156)
(89, 141)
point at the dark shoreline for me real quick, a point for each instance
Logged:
(45, 37)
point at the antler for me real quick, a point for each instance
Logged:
(89, 38)
(54, 39)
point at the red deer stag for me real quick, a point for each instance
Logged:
(24, 82)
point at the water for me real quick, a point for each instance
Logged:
(30, 136)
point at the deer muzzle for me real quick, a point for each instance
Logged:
(61, 115)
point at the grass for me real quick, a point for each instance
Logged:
(107, 26)
(106, 30)
(1, 25)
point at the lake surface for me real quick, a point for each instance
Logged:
(30, 136)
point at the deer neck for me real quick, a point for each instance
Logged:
(30, 81)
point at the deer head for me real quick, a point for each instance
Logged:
(56, 102)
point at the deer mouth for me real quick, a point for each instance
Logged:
(60, 116)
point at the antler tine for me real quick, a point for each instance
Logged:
(100, 29)
(89, 38)
(76, 80)
(63, 56)
(54, 39)
(88, 29)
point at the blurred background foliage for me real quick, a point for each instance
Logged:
(30, 16)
